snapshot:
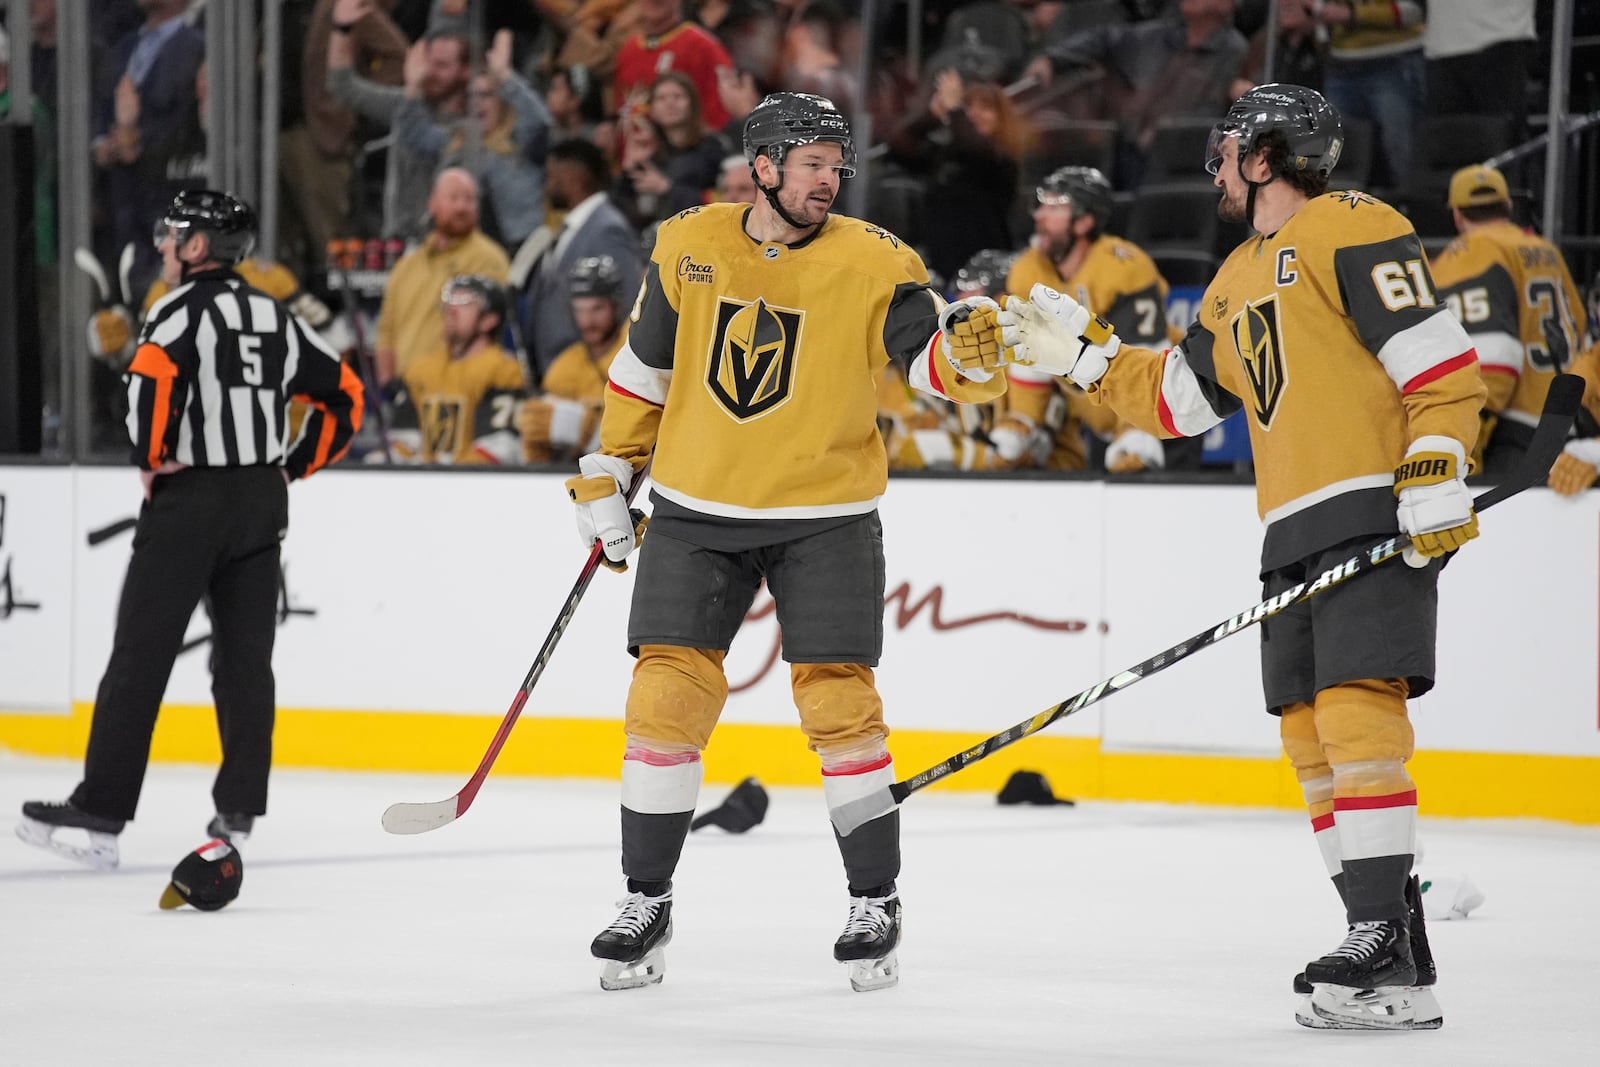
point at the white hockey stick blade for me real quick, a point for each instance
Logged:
(408, 818)
(125, 275)
(852, 815)
(87, 263)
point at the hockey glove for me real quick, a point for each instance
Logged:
(1055, 333)
(1435, 504)
(1134, 451)
(1577, 467)
(111, 335)
(603, 513)
(970, 337)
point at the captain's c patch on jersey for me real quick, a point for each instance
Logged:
(750, 368)
(1258, 338)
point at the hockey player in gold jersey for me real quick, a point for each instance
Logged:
(565, 419)
(1072, 253)
(1363, 394)
(458, 403)
(1512, 292)
(748, 382)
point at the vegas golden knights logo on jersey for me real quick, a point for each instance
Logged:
(441, 426)
(1258, 338)
(751, 368)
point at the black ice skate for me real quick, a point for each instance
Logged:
(231, 828)
(870, 937)
(42, 818)
(632, 945)
(1426, 1014)
(1370, 982)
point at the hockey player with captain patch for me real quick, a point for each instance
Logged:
(1363, 392)
(748, 385)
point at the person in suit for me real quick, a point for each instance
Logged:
(576, 177)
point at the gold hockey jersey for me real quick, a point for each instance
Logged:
(1330, 333)
(465, 409)
(1512, 292)
(751, 368)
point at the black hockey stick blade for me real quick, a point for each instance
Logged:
(1548, 438)
(418, 818)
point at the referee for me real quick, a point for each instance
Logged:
(208, 397)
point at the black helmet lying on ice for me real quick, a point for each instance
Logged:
(229, 222)
(787, 120)
(1307, 121)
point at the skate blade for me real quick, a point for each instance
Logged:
(100, 853)
(868, 975)
(647, 970)
(1331, 1007)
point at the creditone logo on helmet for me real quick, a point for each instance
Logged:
(750, 371)
(1310, 125)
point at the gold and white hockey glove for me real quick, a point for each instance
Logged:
(1577, 467)
(1435, 503)
(971, 337)
(111, 331)
(603, 513)
(1054, 333)
(1134, 451)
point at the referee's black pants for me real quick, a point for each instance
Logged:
(205, 532)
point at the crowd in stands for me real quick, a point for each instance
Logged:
(529, 144)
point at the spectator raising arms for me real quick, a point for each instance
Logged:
(435, 73)
(514, 130)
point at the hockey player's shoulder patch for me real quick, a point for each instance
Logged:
(872, 249)
(882, 234)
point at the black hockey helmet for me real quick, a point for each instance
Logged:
(229, 222)
(1085, 189)
(985, 273)
(490, 294)
(1309, 124)
(595, 276)
(785, 120)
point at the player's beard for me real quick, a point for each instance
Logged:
(1231, 208)
(811, 212)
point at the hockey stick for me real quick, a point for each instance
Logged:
(1554, 425)
(125, 274)
(90, 265)
(409, 818)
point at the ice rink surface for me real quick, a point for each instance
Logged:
(1102, 934)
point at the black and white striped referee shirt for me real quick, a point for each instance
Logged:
(210, 383)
